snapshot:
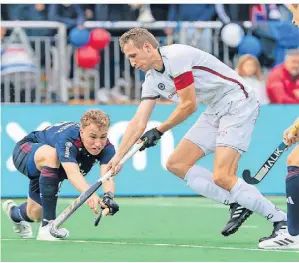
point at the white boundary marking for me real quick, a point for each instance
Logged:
(162, 245)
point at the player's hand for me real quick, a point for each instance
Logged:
(93, 203)
(294, 8)
(114, 164)
(150, 138)
(110, 203)
(289, 138)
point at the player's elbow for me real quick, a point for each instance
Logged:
(189, 107)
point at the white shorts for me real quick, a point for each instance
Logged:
(232, 126)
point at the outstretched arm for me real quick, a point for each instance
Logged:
(133, 132)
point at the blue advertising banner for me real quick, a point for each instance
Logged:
(145, 173)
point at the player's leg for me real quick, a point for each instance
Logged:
(199, 141)
(233, 138)
(18, 214)
(46, 160)
(182, 163)
(288, 239)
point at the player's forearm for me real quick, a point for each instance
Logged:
(78, 181)
(109, 186)
(74, 176)
(131, 136)
(181, 113)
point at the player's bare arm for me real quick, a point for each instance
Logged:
(185, 108)
(133, 132)
(75, 177)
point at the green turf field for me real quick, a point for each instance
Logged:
(149, 229)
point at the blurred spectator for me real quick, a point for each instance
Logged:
(115, 12)
(262, 12)
(249, 69)
(233, 13)
(89, 11)
(70, 15)
(283, 81)
(160, 11)
(198, 37)
(145, 13)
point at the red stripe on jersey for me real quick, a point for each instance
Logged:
(184, 80)
(223, 77)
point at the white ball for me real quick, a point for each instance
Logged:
(232, 34)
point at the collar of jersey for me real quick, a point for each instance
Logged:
(163, 69)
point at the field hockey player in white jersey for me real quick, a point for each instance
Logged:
(189, 76)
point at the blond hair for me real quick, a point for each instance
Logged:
(245, 58)
(97, 117)
(138, 36)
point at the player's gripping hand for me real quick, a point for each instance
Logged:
(114, 165)
(93, 202)
(110, 203)
(290, 137)
(150, 138)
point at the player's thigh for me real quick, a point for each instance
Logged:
(23, 158)
(237, 124)
(293, 157)
(46, 156)
(184, 157)
(204, 132)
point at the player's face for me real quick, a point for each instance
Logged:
(94, 138)
(140, 58)
(292, 64)
(249, 67)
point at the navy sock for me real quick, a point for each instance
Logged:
(18, 213)
(48, 185)
(292, 192)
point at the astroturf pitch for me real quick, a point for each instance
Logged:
(149, 229)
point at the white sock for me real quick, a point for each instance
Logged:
(249, 197)
(200, 180)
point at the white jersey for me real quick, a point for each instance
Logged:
(215, 83)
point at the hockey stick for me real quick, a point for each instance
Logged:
(260, 175)
(85, 195)
(267, 166)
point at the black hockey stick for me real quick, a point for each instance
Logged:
(264, 170)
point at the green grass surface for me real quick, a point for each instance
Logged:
(149, 229)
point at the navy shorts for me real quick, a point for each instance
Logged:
(23, 159)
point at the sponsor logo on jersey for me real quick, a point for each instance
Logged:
(68, 145)
(161, 86)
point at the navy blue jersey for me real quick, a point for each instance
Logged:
(65, 138)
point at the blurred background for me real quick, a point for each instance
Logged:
(58, 60)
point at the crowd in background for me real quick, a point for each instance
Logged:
(276, 83)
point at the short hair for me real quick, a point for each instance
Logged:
(139, 36)
(97, 117)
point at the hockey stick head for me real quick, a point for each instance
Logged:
(247, 177)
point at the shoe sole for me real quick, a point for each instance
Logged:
(234, 230)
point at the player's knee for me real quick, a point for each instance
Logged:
(175, 167)
(34, 213)
(47, 156)
(293, 159)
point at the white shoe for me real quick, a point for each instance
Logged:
(45, 234)
(282, 240)
(23, 228)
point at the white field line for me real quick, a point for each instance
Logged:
(164, 245)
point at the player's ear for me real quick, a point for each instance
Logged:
(147, 46)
